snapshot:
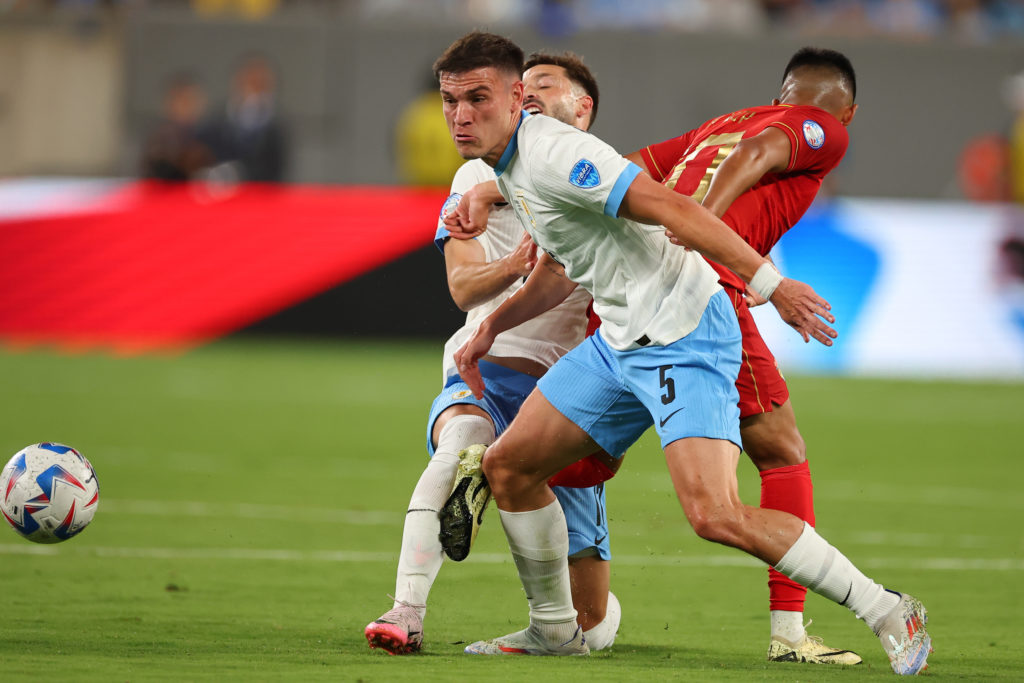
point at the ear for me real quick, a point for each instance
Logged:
(776, 102)
(584, 105)
(848, 115)
(517, 96)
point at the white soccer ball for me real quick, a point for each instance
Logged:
(48, 492)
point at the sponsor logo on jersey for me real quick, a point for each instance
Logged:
(462, 393)
(584, 174)
(814, 134)
(449, 206)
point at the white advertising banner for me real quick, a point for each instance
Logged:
(919, 289)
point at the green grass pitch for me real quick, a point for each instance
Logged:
(253, 495)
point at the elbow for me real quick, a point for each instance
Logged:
(461, 302)
(465, 298)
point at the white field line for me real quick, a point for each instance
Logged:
(282, 555)
(249, 511)
(394, 518)
(944, 496)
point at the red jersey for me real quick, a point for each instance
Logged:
(762, 214)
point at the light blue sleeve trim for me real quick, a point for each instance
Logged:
(441, 237)
(611, 205)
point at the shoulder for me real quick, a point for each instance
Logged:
(815, 127)
(471, 173)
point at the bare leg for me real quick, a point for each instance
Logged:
(589, 579)
(703, 472)
(774, 445)
(704, 475)
(518, 466)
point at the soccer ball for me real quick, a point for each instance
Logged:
(48, 492)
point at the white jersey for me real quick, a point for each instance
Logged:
(566, 187)
(544, 339)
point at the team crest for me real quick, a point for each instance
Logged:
(813, 134)
(584, 174)
(462, 393)
(449, 206)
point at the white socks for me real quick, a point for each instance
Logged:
(603, 635)
(539, 543)
(788, 625)
(421, 555)
(812, 562)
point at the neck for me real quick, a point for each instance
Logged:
(494, 156)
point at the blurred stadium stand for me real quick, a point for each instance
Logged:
(81, 82)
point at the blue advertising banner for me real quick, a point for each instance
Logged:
(926, 289)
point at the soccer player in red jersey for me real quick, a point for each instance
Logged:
(759, 169)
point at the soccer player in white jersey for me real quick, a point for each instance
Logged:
(482, 274)
(667, 354)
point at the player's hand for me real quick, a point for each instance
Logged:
(804, 310)
(469, 218)
(675, 240)
(523, 259)
(468, 356)
(753, 298)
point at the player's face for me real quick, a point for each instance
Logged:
(481, 108)
(548, 90)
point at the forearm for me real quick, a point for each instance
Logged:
(472, 284)
(693, 226)
(488, 192)
(546, 287)
(749, 161)
(736, 175)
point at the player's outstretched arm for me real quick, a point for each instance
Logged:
(647, 201)
(546, 287)
(469, 218)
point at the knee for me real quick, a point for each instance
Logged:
(501, 472)
(718, 523)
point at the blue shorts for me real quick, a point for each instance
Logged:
(685, 389)
(506, 390)
(503, 397)
(586, 519)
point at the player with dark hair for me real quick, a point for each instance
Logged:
(482, 274)
(574, 70)
(668, 353)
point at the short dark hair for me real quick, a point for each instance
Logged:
(575, 69)
(823, 58)
(478, 50)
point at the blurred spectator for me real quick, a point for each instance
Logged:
(174, 150)
(1015, 98)
(984, 169)
(423, 146)
(249, 138)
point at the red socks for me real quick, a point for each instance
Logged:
(788, 489)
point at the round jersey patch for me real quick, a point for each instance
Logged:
(449, 206)
(462, 394)
(814, 134)
(584, 174)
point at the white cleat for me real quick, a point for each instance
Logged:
(904, 637)
(530, 643)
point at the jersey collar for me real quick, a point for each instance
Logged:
(512, 148)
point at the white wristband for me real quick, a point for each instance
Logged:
(765, 280)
